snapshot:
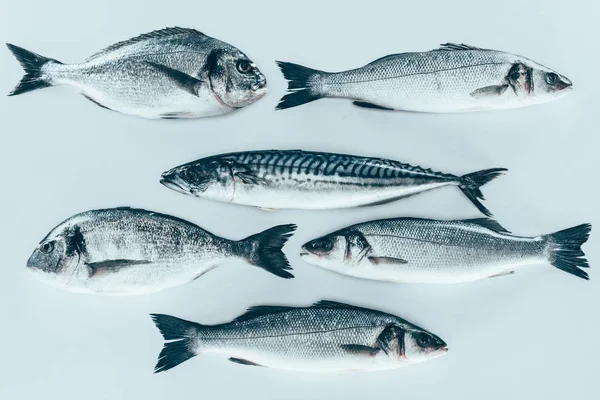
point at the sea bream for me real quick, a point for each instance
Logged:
(325, 337)
(124, 251)
(453, 78)
(276, 179)
(169, 73)
(429, 251)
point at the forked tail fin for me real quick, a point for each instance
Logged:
(565, 249)
(32, 63)
(471, 183)
(181, 338)
(264, 250)
(302, 85)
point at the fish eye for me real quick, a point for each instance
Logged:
(325, 245)
(551, 78)
(424, 340)
(244, 66)
(47, 248)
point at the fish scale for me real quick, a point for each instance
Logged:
(453, 78)
(430, 251)
(327, 336)
(277, 179)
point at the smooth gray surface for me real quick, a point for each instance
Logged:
(531, 335)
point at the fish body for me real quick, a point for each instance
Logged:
(429, 251)
(277, 179)
(325, 337)
(453, 78)
(169, 73)
(126, 251)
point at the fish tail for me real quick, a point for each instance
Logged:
(564, 248)
(303, 85)
(265, 250)
(182, 341)
(470, 185)
(33, 65)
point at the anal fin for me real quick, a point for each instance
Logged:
(365, 104)
(96, 102)
(243, 362)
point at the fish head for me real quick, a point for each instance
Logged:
(421, 345)
(55, 261)
(234, 78)
(339, 251)
(538, 83)
(206, 178)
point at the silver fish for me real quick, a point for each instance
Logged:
(327, 336)
(126, 251)
(428, 251)
(169, 73)
(275, 179)
(453, 78)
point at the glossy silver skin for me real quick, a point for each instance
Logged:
(126, 251)
(169, 73)
(414, 250)
(453, 78)
(325, 337)
(279, 179)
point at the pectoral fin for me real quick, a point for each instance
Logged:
(183, 80)
(364, 104)
(111, 266)
(243, 362)
(489, 91)
(359, 349)
(386, 260)
(249, 177)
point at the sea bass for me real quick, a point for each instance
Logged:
(453, 78)
(126, 251)
(275, 179)
(327, 336)
(428, 251)
(169, 73)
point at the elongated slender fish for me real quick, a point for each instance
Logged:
(327, 336)
(428, 251)
(275, 179)
(169, 73)
(132, 251)
(455, 77)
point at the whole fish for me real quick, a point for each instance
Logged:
(428, 251)
(125, 251)
(275, 179)
(455, 77)
(169, 73)
(327, 336)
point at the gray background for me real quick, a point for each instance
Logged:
(531, 335)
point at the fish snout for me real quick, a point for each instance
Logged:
(173, 182)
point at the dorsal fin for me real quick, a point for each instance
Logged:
(487, 223)
(331, 304)
(457, 46)
(384, 58)
(146, 36)
(257, 311)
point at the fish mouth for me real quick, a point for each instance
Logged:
(260, 84)
(171, 184)
(304, 253)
